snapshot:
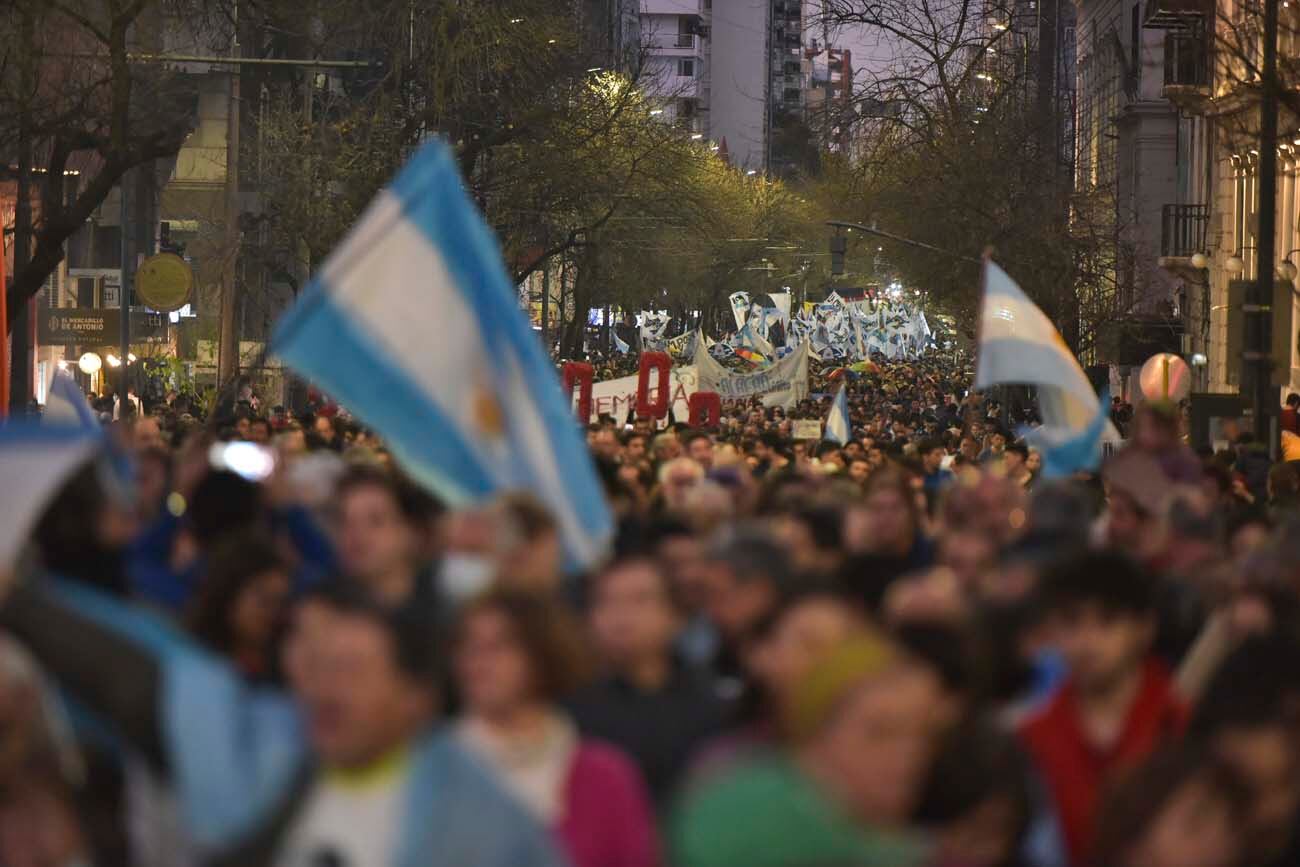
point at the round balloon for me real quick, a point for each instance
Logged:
(1165, 376)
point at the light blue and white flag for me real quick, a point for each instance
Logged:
(740, 307)
(412, 324)
(35, 461)
(1066, 453)
(1019, 345)
(838, 429)
(66, 405)
(746, 338)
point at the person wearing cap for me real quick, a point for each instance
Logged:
(863, 727)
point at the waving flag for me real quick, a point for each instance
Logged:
(781, 300)
(720, 351)
(35, 461)
(740, 307)
(65, 404)
(837, 421)
(412, 324)
(1065, 453)
(1018, 345)
(747, 338)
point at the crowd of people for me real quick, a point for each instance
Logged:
(905, 649)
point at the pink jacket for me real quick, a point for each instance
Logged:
(608, 821)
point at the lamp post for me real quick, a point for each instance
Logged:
(1259, 310)
(1198, 358)
(1286, 269)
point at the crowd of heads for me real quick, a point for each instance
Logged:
(906, 648)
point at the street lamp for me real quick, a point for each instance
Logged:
(1287, 270)
(90, 363)
(1200, 261)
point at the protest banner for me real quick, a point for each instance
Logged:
(616, 396)
(782, 384)
(806, 429)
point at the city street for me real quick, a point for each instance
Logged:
(649, 433)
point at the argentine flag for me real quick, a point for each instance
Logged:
(35, 461)
(413, 324)
(837, 420)
(65, 404)
(1019, 345)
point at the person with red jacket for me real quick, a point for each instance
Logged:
(1118, 703)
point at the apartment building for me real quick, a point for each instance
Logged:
(732, 71)
(1125, 172)
(1210, 227)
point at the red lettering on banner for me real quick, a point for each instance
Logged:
(582, 375)
(662, 363)
(706, 409)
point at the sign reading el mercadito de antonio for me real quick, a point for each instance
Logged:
(164, 282)
(88, 326)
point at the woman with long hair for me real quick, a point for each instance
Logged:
(515, 656)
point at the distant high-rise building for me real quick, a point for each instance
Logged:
(739, 84)
(675, 39)
(829, 101)
(734, 74)
(709, 74)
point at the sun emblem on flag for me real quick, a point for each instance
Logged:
(488, 416)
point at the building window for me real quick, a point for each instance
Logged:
(686, 67)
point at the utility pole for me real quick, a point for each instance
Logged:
(228, 338)
(1259, 312)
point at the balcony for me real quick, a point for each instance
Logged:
(1177, 14)
(677, 45)
(1182, 235)
(1187, 70)
(1182, 229)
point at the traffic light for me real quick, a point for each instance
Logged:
(839, 244)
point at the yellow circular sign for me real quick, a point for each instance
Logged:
(164, 282)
